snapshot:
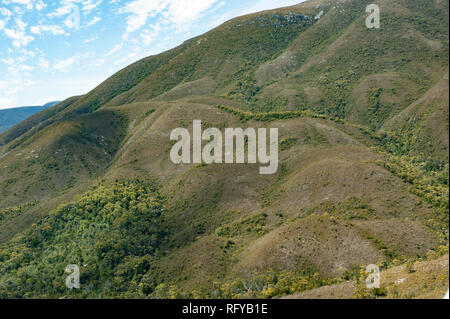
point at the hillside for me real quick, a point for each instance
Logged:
(423, 280)
(11, 117)
(363, 177)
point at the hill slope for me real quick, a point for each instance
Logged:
(363, 124)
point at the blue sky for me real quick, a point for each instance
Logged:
(51, 50)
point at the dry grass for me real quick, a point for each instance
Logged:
(427, 280)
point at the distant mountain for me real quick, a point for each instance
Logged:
(11, 117)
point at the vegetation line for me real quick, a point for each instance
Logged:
(431, 186)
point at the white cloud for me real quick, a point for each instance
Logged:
(150, 34)
(40, 5)
(64, 65)
(27, 53)
(140, 10)
(5, 12)
(53, 29)
(24, 67)
(10, 88)
(5, 102)
(27, 3)
(89, 5)
(18, 35)
(44, 64)
(71, 9)
(91, 39)
(116, 48)
(98, 62)
(169, 12)
(93, 21)
(181, 11)
(8, 61)
(262, 5)
(70, 6)
(19, 69)
(65, 9)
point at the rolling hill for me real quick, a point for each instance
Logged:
(363, 177)
(11, 117)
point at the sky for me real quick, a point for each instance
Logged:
(52, 50)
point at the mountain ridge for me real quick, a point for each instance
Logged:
(12, 116)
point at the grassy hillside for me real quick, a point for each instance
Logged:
(424, 279)
(363, 177)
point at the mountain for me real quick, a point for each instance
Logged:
(362, 179)
(13, 116)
